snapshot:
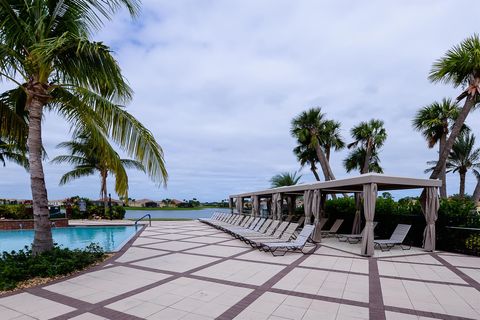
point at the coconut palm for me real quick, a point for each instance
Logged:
(45, 49)
(460, 67)
(463, 157)
(89, 157)
(368, 137)
(434, 122)
(285, 179)
(355, 161)
(308, 128)
(307, 156)
(10, 152)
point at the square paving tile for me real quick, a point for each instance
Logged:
(173, 245)
(135, 253)
(142, 240)
(28, 304)
(337, 263)
(261, 256)
(418, 271)
(182, 298)
(172, 236)
(419, 258)
(326, 283)
(462, 261)
(472, 273)
(241, 271)
(88, 316)
(104, 284)
(219, 251)
(206, 239)
(177, 262)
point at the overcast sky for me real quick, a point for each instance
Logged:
(218, 82)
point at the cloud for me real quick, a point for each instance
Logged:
(218, 82)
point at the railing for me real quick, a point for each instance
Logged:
(149, 219)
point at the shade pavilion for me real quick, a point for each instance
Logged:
(368, 185)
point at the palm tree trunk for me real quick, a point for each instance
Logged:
(314, 170)
(43, 234)
(327, 171)
(457, 127)
(443, 173)
(368, 154)
(476, 192)
(104, 191)
(462, 184)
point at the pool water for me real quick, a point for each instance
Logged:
(111, 238)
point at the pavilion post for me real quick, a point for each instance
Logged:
(291, 201)
(307, 205)
(255, 206)
(430, 205)
(240, 205)
(277, 206)
(317, 208)
(230, 204)
(369, 199)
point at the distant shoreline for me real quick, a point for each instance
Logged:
(170, 208)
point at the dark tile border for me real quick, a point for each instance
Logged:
(459, 273)
(376, 306)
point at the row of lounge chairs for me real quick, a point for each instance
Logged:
(268, 235)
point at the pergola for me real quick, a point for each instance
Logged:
(314, 195)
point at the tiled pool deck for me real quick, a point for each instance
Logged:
(187, 270)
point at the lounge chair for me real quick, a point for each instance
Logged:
(353, 238)
(298, 244)
(279, 236)
(334, 229)
(397, 238)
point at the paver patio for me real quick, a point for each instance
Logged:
(187, 270)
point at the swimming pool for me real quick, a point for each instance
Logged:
(110, 238)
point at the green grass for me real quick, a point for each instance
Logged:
(165, 208)
(166, 219)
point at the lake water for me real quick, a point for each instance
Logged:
(189, 214)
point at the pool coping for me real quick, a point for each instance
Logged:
(113, 256)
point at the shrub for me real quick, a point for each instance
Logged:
(22, 265)
(15, 211)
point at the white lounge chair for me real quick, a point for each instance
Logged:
(353, 238)
(397, 238)
(298, 244)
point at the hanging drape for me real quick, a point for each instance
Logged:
(255, 206)
(430, 204)
(307, 205)
(316, 209)
(277, 206)
(239, 205)
(369, 199)
(357, 221)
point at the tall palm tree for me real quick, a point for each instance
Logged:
(331, 137)
(308, 128)
(369, 137)
(45, 49)
(356, 161)
(306, 155)
(460, 67)
(434, 122)
(285, 179)
(10, 152)
(463, 157)
(89, 157)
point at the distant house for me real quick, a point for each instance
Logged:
(115, 202)
(56, 203)
(175, 202)
(150, 204)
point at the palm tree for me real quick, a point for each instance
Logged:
(10, 152)
(434, 122)
(285, 179)
(306, 155)
(460, 67)
(463, 157)
(369, 138)
(309, 129)
(355, 161)
(45, 49)
(88, 157)
(331, 137)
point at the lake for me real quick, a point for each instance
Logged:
(189, 214)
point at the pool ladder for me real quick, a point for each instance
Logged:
(149, 219)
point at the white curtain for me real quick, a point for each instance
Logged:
(430, 204)
(369, 199)
(239, 205)
(307, 205)
(357, 221)
(317, 208)
(277, 206)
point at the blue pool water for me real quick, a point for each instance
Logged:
(110, 238)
